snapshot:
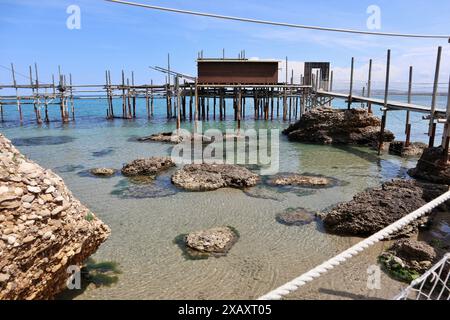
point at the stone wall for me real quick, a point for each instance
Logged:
(43, 228)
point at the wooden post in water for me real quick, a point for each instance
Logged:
(369, 87)
(239, 112)
(408, 124)
(72, 103)
(1, 112)
(19, 107)
(151, 98)
(285, 93)
(133, 94)
(432, 126)
(351, 84)
(177, 83)
(386, 94)
(446, 133)
(196, 107)
(124, 101)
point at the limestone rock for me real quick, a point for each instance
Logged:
(406, 259)
(414, 149)
(206, 177)
(33, 245)
(103, 172)
(294, 179)
(337, 126)
(432, 167)
(167, 137)
(150, 166)
(215, 241)
(295, 217)
(376, 208)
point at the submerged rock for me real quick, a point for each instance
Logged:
(294, 179)
(414, 149)
(216, 241)
(337, 126)
(432, 166)
(206, 177)
(295, 217)
(44, 229)
(102, 172)
(167, 137)
(407, 259)
(150, 166)
(375, 209)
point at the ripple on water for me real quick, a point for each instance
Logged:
(42, 141)
(103, 153)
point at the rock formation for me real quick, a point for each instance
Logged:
(295, 217)
(147, 167)
(216, 241)
(206, 177)
(375, 209)
(167, 137)
(432, 166)
(337, 126)
(407, 259)
(301, 180)
(102, 172)
(44, 229)
(414, 149)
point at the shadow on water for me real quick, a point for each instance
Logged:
(103, 153)
(348, 295)
(98, 274)
(69, 168)
(42, 141)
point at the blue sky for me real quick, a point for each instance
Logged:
(116, 37)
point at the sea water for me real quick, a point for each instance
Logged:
(145, 219)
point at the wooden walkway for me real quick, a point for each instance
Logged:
(392, 105)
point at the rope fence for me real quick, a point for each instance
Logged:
(315, 273)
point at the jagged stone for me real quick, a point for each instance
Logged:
(103, 172)
(206, 177)
(30, 237)
(215, 241)
(150, 166)
(432, 166)
(337, 126)
(376, 208)
(414, 149)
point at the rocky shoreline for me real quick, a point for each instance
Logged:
(44, 229)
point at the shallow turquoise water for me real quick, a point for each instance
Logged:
(146, 219)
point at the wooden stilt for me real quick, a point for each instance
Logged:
(432, 126)
(408, 125)
(351, 84)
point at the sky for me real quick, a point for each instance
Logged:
(116, 37)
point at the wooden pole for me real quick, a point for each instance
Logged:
(133, 94)
(151, 98)
(446, 133)
(369, 87)
(124, 101)
(285, 94)
(386, 94)
(19, 107)
(177, 83)
(408, 125)
(72, 104)
(351, 83)
(239, 111)
(431, 131)
(196, 107)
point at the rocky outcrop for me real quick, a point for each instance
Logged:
(294, 179)
(166, 137)
(206, 177)
(337, 126)
(147, 167)
(295, 217)
(44, 229)
(414, 149)
(216, 241)
(407, 259)
(103, 172)
(432, 166)
(375, 209)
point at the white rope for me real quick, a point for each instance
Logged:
(281, 24)
(293, 285)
